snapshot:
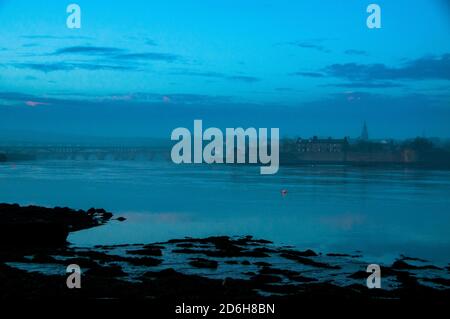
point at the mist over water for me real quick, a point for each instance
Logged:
(381, 212)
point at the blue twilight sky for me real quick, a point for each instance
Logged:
(142, 68)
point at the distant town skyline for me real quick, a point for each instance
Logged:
(140, 68)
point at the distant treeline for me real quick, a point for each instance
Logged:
(429, 152)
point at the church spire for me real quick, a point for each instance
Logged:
(365, 133)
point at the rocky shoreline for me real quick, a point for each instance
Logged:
(33, 225)
(210, 269)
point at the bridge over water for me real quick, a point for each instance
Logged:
(114, 152)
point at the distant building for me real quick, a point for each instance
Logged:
(364, 133)
(318, 145)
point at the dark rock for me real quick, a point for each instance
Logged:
(338, 255)
(188, 251)
(158, 286)
(144, 261)
(33, 226)
(400, 264)
(359, 275)
(193, 287)
(225, 247)
(99, 213)
(280, 289)
(439, 281)
(204, 263)
(100, 256)
(168, 272)
(277, 271)
(407, 280)
(207, 240)
(82, 262)
(109, 247)
(223, 251)
(262, 264)
(264, 250)
(265, 279)
(308, 262)
(406, 258)
(306, 253)
(43, 259)
(185, 245)
(249, 273)
(8, 255)
(248, 240)
(106, 271)
(152, 246)
(103, 276)
(290, 274)
(262, 241)
(385, 272)
(105, 258)
(302, 279)
(147, 251)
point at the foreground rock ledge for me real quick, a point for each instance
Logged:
(32, 226)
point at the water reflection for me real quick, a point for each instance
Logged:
(379, 211)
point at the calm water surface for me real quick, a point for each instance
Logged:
(381, 212)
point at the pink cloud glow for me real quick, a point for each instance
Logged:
(34, 103)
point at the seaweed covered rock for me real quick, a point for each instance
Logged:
(34, 225)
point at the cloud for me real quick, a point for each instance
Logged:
(88, 50)
(366, 85)
(243, 78)
(22, 98)
(218, 75)
(106, 58)
(207, 74)
(117, 53)
(378, 75)
(54, 37)
(137, 98)
(181, 98)
(34, 103)
(426, 68)
(356, 52)
(166, 57)
(312, 44)
(14, 96)
(308, 74)
(30, 45)
(69, 66)
(287, 89)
